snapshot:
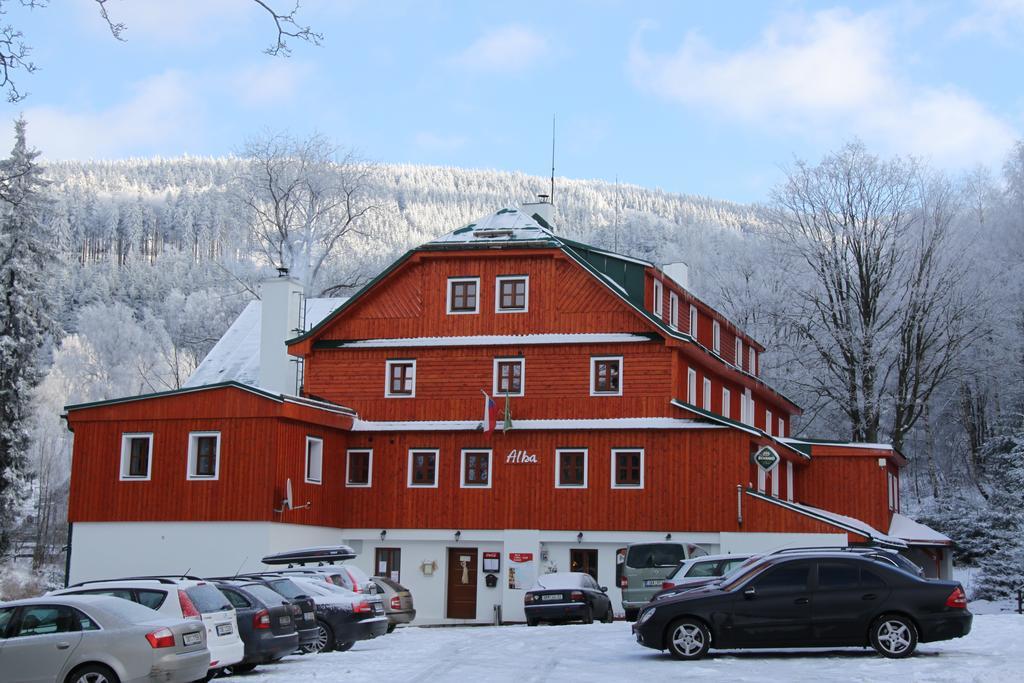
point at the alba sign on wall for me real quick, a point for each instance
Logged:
(766, 458)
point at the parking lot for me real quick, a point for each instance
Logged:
(607, 652)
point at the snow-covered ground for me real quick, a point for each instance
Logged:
(992, 652)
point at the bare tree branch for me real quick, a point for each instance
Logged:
(288, 27)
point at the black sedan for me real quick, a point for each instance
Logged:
(567, 596)
(266, 623)
(821, 600)
(303, 607)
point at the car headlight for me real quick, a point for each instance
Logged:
(645, 616)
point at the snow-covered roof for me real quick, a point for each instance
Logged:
(916, 533)
(496, 339)
(843, 444)
(834, 518)
(522, 425)
(236, 356)
(506, 225)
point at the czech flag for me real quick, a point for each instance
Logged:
(490, 413)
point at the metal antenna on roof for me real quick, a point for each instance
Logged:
(616, 231)
(552, 159)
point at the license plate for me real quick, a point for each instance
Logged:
(652, 583)
(377, 609)
(546, 598)
(193, 638)
(308, 615)
(286, 620)
(224, 629)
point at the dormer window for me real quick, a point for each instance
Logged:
(693, 321)
(463, 295)
(739, 353)
(673, 310)
(752, 361)
(716, 337)
(513, 294)
(659, 295)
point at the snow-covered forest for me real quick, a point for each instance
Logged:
(155, 257)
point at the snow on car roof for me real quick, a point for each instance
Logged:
(560, 580)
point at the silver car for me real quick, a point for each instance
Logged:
(97, 639)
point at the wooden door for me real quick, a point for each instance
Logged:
(583, 560)
(389, 564)
(462, 575)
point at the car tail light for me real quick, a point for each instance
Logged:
(160, 638)
(296, 610)
(188, 609)
(665, 585)
(362, 607)
(957, 599)
(396, 602)
(576, 595)
(623, 582)
(261, 619)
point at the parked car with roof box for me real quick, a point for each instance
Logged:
(567, 596)
(186, 597)
(641, 568)
(808, 600)
(97, 639)
(265, 623)
(397, 600)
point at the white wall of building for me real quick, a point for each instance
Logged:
(765, 542)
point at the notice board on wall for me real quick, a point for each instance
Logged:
(522, 573)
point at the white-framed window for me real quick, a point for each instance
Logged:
(691, 386)
(659, 296)
(738, 360)
(400, 378)
(606, 376)
(775, 482)
(752, 361)
(475, 468)
(726, 401)
(136, 456)
(314, 460)
(892, 498)
(782, 428)
(203, 455)
(509, 377)
(627, 468)
(693, 321)
(673, 310)
(423, 463)
(512, 294)
(707, 394)
(359, 467)
(571, 468)
(716, 336)
(463, 295)
(768, 422)
(746, 408)
(761, 478)
(789, 481)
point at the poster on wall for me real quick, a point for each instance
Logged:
(521, 572)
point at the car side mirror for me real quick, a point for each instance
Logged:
(604, 589)
(750, 593)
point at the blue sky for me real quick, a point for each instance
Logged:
(697, 97)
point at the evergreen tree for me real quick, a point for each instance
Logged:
(1003, 566)
(26, 315)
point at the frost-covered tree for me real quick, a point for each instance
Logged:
(26, 313)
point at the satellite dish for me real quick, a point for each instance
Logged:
(288, 494)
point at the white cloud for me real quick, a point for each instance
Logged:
(437, 142)
(272, 82)
(162, 109)
(170, 21)
(831, 73)
(509, 49)
(1000, 19)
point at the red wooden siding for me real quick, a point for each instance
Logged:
(854, 485)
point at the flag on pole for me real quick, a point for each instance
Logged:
(490, 413)
(507, 425)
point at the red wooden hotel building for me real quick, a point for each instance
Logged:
(635, 412)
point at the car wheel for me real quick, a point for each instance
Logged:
(392, 627)
(92, 673)
(894, 636)
(530, 621)
(238, 669)
(588, 616)
(609, 616)
(345, 647)
(688, 639)
(324, 637)
(631, 614)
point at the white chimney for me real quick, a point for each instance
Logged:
(679, 272)
(543, 208)
(280, 302)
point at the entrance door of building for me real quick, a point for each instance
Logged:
(583, 560)
(462, 574)
(389, 564)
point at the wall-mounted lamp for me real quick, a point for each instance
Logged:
(579, 537)
(668, 537)
(458, 535)
(383, 533)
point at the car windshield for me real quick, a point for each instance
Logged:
(650, 555)
(701, 570)
(397, 587)
(288, 588)
(744, 573)
(264, 594)
(207, 598)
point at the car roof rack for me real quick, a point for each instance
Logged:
(161, 579)
(829, 549)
